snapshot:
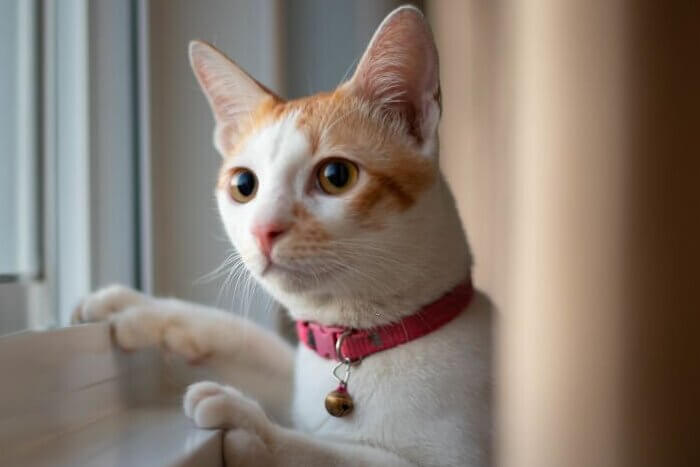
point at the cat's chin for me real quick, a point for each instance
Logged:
(287, 279)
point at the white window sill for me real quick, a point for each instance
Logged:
(68, 398)
(147, 436)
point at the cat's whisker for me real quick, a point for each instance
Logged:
(218, 271)
(240, 275)
(234, 272)
(248, 287)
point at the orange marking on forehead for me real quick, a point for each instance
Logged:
(339, 124)
(272, 109)
(380, 143)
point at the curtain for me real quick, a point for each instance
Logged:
(569, 137)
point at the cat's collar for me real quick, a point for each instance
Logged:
(346, 344)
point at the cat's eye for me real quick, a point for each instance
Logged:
(336, 176)
(243, 185)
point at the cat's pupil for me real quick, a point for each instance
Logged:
(337, 173)
(245, 183)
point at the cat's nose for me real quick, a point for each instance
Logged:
(267, 234)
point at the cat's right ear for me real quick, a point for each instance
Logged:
(399, 74)
(232, 93)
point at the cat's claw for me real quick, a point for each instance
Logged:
(213, 405)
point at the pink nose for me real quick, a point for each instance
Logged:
(267, 234)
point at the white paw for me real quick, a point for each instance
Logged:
(137, 328)
(100, 305)
(213, 405)
(146, 326)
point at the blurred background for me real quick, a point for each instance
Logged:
(569, 137)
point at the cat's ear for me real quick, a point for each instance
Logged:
(399, 72)
(232, 93)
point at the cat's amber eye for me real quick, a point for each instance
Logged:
(337, 176)
(243, 185)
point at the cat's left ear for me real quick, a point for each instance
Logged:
(232, 93)
(399, 73)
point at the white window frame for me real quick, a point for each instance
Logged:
(83, 57)
(91, 141)
(22, 295)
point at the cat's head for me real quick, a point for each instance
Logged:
(337, 193)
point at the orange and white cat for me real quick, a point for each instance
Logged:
(336, 205)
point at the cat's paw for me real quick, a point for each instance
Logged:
(100, 305)
(140, 327)
(213, 405)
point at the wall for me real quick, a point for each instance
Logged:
(188, 241)
(325, 38)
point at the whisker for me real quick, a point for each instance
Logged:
(218, 271)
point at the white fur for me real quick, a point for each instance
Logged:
(423, 403)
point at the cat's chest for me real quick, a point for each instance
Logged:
(313, 381)
(398, 394)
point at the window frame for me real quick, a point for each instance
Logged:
(97, 171)
(23, 293)
(88, 165)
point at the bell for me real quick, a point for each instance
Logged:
(338, 402)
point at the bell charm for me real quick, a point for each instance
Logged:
(338, 402)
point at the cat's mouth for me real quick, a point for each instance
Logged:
(273, 268)
(295, 275)
(286, 277)
(292, 277)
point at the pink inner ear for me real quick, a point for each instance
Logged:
(231, 92)
(399, 70)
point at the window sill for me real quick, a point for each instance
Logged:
(150, 435)
(68, 398)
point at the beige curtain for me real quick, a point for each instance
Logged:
(569, 140)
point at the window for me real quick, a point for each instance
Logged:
(19, 187)
(68, 156)
(20, 177)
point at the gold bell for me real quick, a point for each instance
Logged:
(338, 402)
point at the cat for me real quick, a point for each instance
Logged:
(337, 207)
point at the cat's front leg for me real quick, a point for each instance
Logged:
(139, 321)
(192, 331)
(255, 440)
(102, 304)
(234, 349)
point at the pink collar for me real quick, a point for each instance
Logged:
(356, 344)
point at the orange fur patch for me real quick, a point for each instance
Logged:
(344, 124)
(339, 124)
